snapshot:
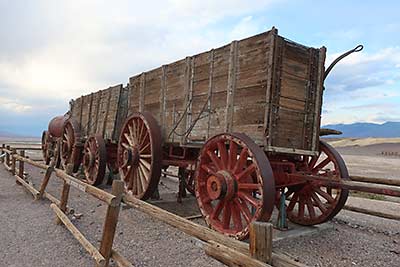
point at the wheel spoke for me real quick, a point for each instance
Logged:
(301, 208)
(246, 197)
(139, 185)
(142, 179)
(142, 127)
(125, 145)
(325, 195)
(322, 164)
(318, 202)
(232, 155)
(293, 201)
(145, 172)
(241, 161)
(313, 161)
(145, 163)
(310, 208)
(144, 139)
(215, 160)
(132, 134)
(248, 186)
(223, 153)
(246, 172)
(128, 138)
(237, 220)
(144, 147)
(226, 216)
(208, 169)
(244, 209)
(217, 210)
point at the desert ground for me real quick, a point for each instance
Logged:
(29, 236)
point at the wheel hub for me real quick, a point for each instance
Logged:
(88, 160)
(131, 156)
(221, 186)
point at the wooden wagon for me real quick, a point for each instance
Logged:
(90, 134)
(242, 123)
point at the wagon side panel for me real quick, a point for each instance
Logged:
(85, 114)
(293, 105)
(151, 97)
(174, 97)
(250, 87)
(76, 109)
(136, 85)
(200, 88)
(108, 109)
(113, 110)
(94, 114)
(121, 112)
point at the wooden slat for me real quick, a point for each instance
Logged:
(231, 257)
(91, 249)
(230, 91)
(201, 232)
(141, 91)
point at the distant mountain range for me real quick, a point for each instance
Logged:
(362, 129)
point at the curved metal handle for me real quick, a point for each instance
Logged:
(358, 48)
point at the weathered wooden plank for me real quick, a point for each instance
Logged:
(231, 86)
(202, 232)
(260, 244)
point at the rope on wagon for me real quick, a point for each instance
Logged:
(173, 131)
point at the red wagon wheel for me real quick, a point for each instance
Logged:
(234, 184)
(312, 203)
(139, 155)
(46, 147)
(70, 146)
(94, 159)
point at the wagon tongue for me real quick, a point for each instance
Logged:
(358, 48)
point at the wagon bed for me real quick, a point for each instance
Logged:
(264, 86)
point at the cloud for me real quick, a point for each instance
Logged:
(53, 51)
(364, 70)
(13, 105)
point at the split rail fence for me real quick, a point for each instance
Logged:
(113, 200)
(258, 253)
(232, 252)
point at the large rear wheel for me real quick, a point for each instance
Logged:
(139, 155)
(47, 146)
(234, 184)
(71, 145)
(94, 159)
(312, 203)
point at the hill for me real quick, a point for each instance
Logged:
(361, 129)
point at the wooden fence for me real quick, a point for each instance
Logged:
(258, 253)
(60, 207)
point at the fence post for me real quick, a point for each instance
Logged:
(1, 153)
(261, 241)
(13, 160)
(46, 178)
(111, 221)
(65, 193)
(21, 165)
(7, 156)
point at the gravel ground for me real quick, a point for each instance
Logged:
(29, 236)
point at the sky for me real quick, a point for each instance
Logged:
(54, 51)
